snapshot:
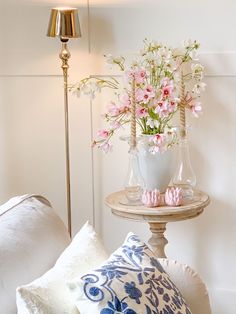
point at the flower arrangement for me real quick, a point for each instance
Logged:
(166, 81)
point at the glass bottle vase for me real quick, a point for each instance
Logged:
(133, 182)
(184, 176)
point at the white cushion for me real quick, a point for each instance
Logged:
(49, 293)
(31, 238)
(190, 285)
(131, 281)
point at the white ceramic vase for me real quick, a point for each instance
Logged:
(156, 169)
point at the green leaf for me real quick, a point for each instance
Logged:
(152, 114)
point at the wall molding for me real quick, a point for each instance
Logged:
(29, 75)
(217, 64)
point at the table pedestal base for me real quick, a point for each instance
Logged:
(157, 218)
(158, 240)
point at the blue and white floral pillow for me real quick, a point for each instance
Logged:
(131, 281)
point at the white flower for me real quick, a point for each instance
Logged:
(151, 58)
(105, 147)
(152, 123)
(135, 63)
(90, 89)
(110, 59)
(194, 55)
(197, 71)
(170, 134)
(165, 54)
(187, 43)
(177, 77)
(193, 46)
(115, 125)
(142, 52)
(154, 45)
(76, 92)
(199, 87)
(118, 59)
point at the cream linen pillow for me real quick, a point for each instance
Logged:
(49, 293)
(190, 285)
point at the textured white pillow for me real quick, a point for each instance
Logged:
(189, 284)
(49, 293)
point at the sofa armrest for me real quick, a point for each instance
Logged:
(32, 237)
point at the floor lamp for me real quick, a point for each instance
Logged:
(64, 23)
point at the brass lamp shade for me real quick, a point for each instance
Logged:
(64, 22)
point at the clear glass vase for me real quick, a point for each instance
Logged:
(134, 182)
(184, 176)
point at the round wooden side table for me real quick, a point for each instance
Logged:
(157, 217)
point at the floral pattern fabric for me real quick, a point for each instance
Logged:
(132, 281)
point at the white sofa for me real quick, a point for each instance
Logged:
(32, 237)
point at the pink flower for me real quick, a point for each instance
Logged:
(124, 108)
(125, 103)
(113, 109)
(115, 125)
(166, 81)
(150, 91)
(140, 76)
(139, 94)
(125, 100)
(162, 109)
(152, 123)
(167, 87)
(196, 108)
(158, 139)
(103, 133)
(105, 147)
(141, 112)
(167, 90)
(145, 95)
(172, 106)
(129, 75)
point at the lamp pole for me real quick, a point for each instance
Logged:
(64, 56)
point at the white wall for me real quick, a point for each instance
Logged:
(207, 242)
(32, 129)
(32, 110)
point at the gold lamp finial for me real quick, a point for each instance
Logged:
(64, 23)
